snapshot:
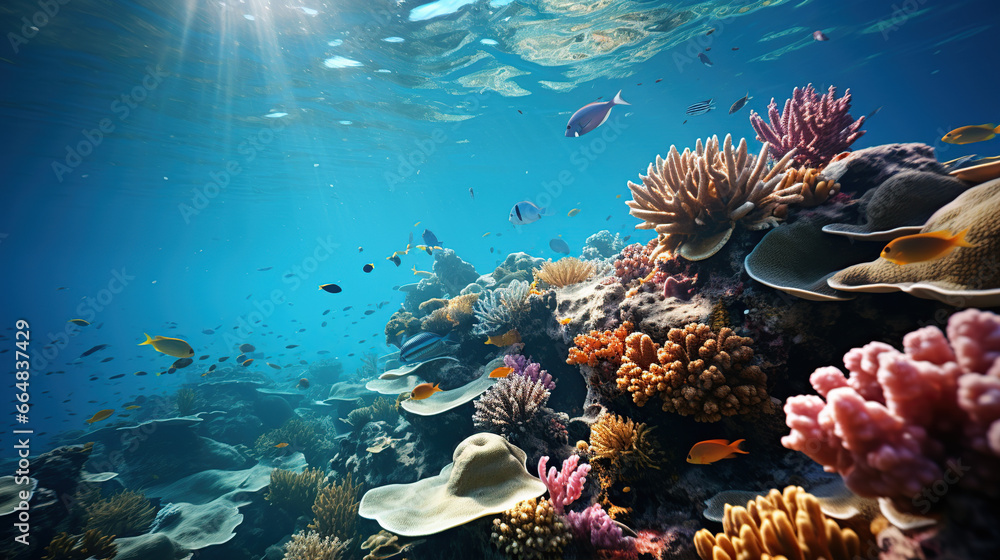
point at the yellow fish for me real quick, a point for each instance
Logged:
(132, 407)
(416, 224)
(79, 322)
(485, 234)
(502, 372)
(100, 415)
(281, 445)
(565, 320)
(573, 212)
(970, 134)
(505, 339)
(710, 451)
(923, 246)
(421, 273)
(170, 346)
(424, 390)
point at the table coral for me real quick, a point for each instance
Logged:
(695, 199)
(531, 530)
(696, 372)
(786, 525)
(903, 422)
(815, 128)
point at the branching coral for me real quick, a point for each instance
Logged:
(532, 370)
(816, 189)
(565, 485)
(311, 546)
(694, 200)
(696, 372)
(564, 272)
(186, 400)
(594, 526)
(92, 545)
(814, 128)
(298, 434)
(787, 525)
(125, 514)
(502, 309)
(295, 492)
(904, 421)
(336, 509)
(511, 406)
(531, 530)
(599, 347)
(620, 450)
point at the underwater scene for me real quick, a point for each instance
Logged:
(500, 279)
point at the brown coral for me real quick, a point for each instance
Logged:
(295, 492)
(781, 526)
(531, 530)
(336, 510)
(696, 372)
(564, 272)
(600, 347)
(401, 324)
(91, 544)
(694, 200)
(384, 545)
(448, 314)
(816, 189)
(620, 450)
(125, 514)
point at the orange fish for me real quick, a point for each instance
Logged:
(923, 246)
(424, 390)
(565, 320)
(281, 445)
(502, 372)
(505, 339)
(303, 384)
(710, 451)
(100, 415)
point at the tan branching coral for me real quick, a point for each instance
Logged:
(295, 492)
(531, 530)
(448, 314)
(696, 372)
(92, 545)
(781, 526)
(311, 546)
(694, 200)
(564, 272)
(432, 305)
(125, 514)
(336, 509)
(815, 189)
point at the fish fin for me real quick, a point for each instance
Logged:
(735, 446)
(960, 239)
(718, 441)
(618, 99)
(149, 340)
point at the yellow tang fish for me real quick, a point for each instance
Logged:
(923, 246)
(170, 346)
(505, 339)
(100, 415)
(970, 134)
(424, 390)
(710, 451)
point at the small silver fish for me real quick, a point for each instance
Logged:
(701, 107)
(740, 103)
(591, 116)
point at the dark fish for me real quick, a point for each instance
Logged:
(736, 48)
(141, 373)
(171, 370)
(708, 49)
(492, 249)
(396, 260)
(92, 378)
(275, 366)
(211, 367)
(119, 376)
(94, 349)
(266, 268)
(350, 355)
(519, 112)
(701, 107)
(430, 239)
(369, 311)
(182, 363)
(323, 324)
(322, 351)
(222, 359)
(289, 275)
(422, 346)
(247, 347)
(704, 59)
(608, 219)
(559, 246)
(292, 346)
(361, 249)
(875, 112)
(740, 103)
(591, 116)
(208, 331)
(108, 359)
(205, 357)
(368, 267)
(348, 308)
(710, 31)
(241, 358)
(472, 194)
(332, 288)
(626, 238)
(325, 312)
(658, 80)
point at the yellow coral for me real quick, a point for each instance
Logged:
(295, 492)
(781, 526)
(564, 272)
(620, 450)
(531, 530)
(91, 545)
(125, 514)
(336, 510)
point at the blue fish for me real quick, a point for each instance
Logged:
(423, 346)
(525, 212)
(430, 239)
(592, 115)
(704, 59)
(559, 246)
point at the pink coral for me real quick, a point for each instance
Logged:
(595, 526)
(904, 421)
(817, 127)
(566, 485)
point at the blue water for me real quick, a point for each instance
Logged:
(473, 99)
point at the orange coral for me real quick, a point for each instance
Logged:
(598, 346)
(696, 372)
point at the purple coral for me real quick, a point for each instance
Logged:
(532, 370)
(594, 525)
(818, 127)
(564, 486)
(511, 406)
(905, 421)
(678, 277)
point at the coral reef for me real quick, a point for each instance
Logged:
(816, 188)
(336, 510)
(814, 127)
(600, 347)
(903, 421)
(621, 447)
(694, 200)
(91, 545)
(532, 370)
(781, 525)
(298, 434)
(867, 168)
(311, 546)
(125, 514)
(564, 272)
(602, 245)
(452, 271)
(381, 410)
(531, 530)
(402, 324)
(500, 310)
(295, 492)
(634, 262)
(511, 407)
(594, 526)
(449, 314)
(696, 372)
(677, 276)
(186, 400)
(565, 485)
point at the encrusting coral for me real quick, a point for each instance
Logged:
(511, 406)
(125, 514)
(311, 546)
(696, 372)
(564, 272)
(336, 509)
(91, 545)
(816, 189)
(531, 530)
(780, 526)
(295, 492)
(814, 128)
(695, 199)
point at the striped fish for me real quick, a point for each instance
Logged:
(701, 107)
(423, 346)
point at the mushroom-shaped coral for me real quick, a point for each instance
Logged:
(815, 128)
(487, 476)
(787, 525)
(564, 272)
(694, 200)
(696, 372)
(531, 530)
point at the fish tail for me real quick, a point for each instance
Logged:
(959, 239)
(149, 340)
(735, 447)
(618, 99)
(996, 130)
